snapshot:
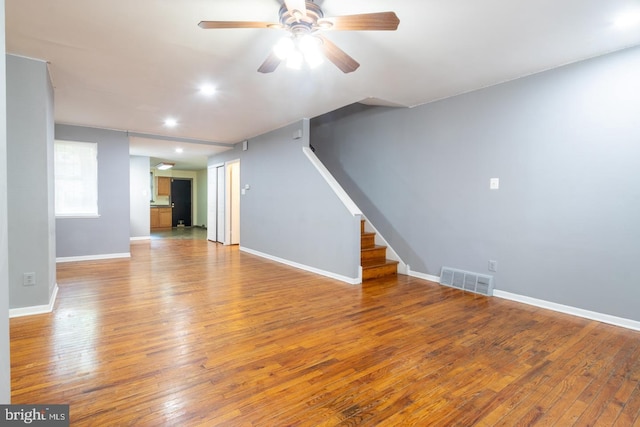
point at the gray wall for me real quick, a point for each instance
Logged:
(564, 225)
(108, 234)
(289, 211)
(30, 181)
(5, 365)
(140, 195)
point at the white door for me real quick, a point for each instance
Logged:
(220, 204)
(232, 229)
(211, 203)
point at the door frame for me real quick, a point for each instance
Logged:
(213, 197)
(229, 202)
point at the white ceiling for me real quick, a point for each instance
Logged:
(129, 64)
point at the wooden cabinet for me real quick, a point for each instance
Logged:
(165, 217)
(161, 218)
(164, 186)
(155, 218)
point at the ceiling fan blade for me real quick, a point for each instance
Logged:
(270, 64)
(207, 25)
(297, 8)
(381, 21)
(338, 56)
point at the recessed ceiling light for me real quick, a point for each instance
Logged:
(170, 123)
(179, 150)
(207, 89)
(165, 165)
(627, 20)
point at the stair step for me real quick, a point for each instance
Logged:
(377, 269)
(367, 240)
(376, 253)
(362, 226)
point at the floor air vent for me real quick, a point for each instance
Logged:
(467, 281)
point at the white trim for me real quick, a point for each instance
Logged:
(349, 280)
(29, 57)
(93, 257)
(78, 216)
(133, 239)
(422, 275)
(324, 172)
(36, 309)
(592, 315)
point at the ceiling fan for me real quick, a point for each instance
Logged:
(304, 20)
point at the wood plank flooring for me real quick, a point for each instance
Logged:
(192, 333)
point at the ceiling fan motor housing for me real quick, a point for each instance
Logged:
(306, 24)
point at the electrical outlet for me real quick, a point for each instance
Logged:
(28, 279)
(493, 265)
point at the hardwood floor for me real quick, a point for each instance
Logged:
(192, 333)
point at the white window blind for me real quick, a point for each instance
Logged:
(76, 178)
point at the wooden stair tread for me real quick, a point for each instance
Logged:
(374, 248)
(378, 269)
(378, 263)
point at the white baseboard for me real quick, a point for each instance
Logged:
(591, 315)
(36, 309)
(350, 280)
(93, 257)
(422, 275)
(133, 239)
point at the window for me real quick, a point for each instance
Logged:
(76, 179)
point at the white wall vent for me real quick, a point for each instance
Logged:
(467, 281)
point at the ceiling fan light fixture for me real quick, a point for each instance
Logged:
(294, 60)
(302, 18)
(310, 48)
(313, 59)
(284, 48)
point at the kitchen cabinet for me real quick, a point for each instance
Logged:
(161, 218)
(164, 186)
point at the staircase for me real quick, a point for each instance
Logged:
(373, 258)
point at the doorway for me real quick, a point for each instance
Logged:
(223, 207)
(215, 203)
(181, 202)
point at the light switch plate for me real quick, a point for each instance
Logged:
(28, 279)
(494, 183)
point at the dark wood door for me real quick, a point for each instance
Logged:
(181, 202)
